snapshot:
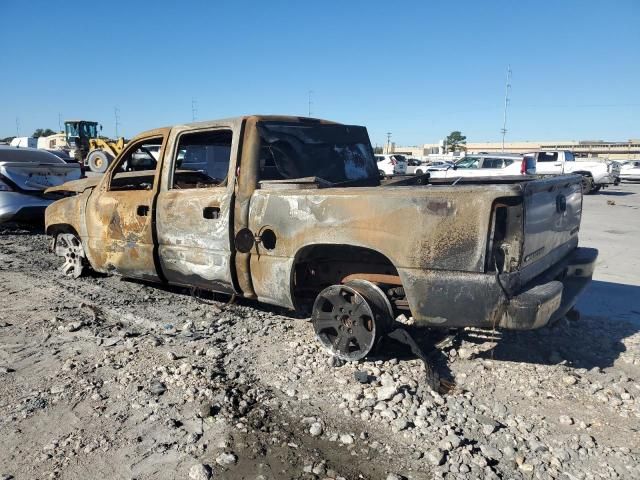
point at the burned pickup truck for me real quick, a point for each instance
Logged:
(291, 212)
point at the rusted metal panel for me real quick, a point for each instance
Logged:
(119, 238)
(374, 278)
(65, 212)
(119, 224)
(447, 231)
(192, 249)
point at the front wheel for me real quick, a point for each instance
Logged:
(69, 247)
(350, 319)
(98, 161)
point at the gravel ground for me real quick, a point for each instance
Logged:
(102, 377)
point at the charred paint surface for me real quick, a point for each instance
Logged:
(194, 249)
(447, 231)
(67, 212)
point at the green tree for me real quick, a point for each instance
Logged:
(43, 132)
(456, 141)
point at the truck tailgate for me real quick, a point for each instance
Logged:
(552, 213)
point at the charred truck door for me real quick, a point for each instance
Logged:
(193, 208)
(119, 212)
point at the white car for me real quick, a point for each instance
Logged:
(489, 165)
(439, 165)
(630, 171)
(391, 164)
(416, 167)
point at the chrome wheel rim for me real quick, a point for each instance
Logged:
(69, 248)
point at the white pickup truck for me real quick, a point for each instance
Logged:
(486, 165)
(595, 175)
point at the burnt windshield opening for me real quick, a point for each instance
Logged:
(339, 154)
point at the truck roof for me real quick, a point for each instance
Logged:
(240, 119)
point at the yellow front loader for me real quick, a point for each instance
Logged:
(90, 149)
(102, 152)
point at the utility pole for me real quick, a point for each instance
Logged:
(310, 92)
(17, 126)
(388, 142)
(507, 90)
(59, 122)
(194, 109)
(116, 113)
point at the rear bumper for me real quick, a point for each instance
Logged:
(457, 299)
(16, 206)
(553, 294)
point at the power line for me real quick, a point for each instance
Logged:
(194, 109)
(116, 114)
(507, 90)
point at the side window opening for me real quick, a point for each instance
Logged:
(492, 163)
(547, 157)
(202, 159)
(469, 162)
(137, 168)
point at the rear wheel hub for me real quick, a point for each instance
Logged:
(349, 319)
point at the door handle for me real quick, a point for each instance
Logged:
(211, 213)
(142, 210)
(558, 164)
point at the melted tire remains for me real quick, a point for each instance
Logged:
(350, 319)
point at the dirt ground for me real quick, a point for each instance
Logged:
(102, 377)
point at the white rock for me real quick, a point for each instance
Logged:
(200, 472)
(435, 457)
(386, 392)
(346, 439)
(315, 430)
(226, 459)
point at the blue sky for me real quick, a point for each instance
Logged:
(417, 69)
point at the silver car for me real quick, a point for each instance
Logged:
(24, 175)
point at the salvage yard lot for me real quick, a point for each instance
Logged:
(106, 378)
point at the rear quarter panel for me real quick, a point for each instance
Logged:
(432, 228)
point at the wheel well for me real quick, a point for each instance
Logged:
(319, 266)
(586, 174)
(61, 228)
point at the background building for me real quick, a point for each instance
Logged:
(585, 148)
